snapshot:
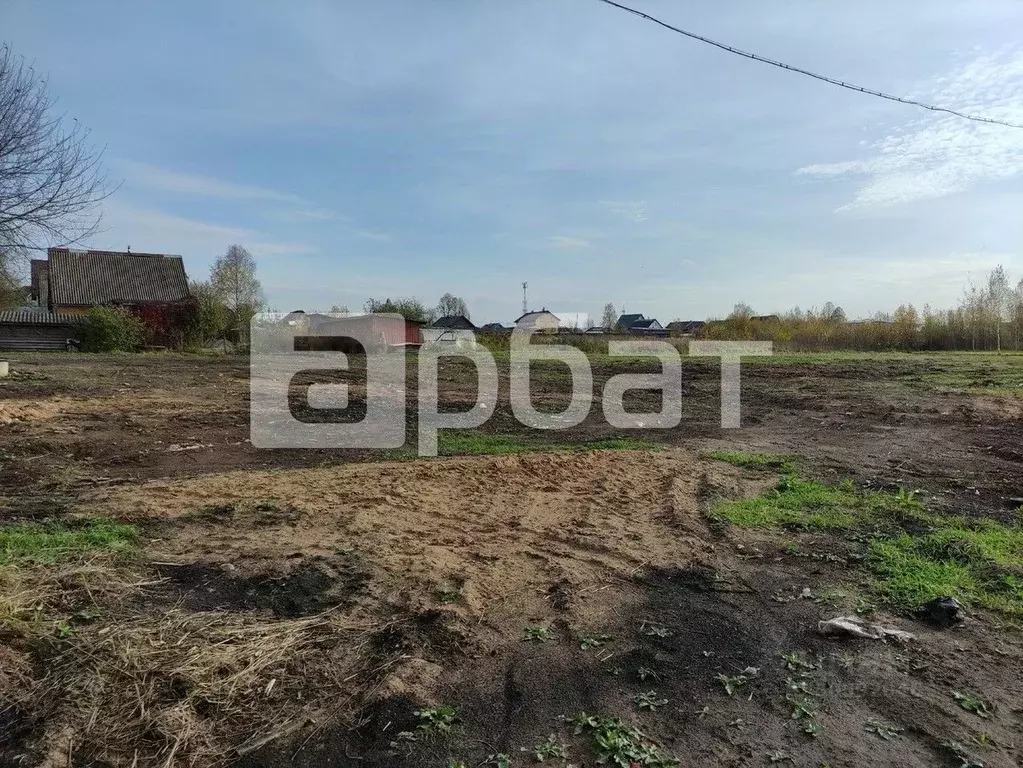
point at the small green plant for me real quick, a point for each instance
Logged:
(447, 595)
(797, 685)
(437, 719)
(813, 729)
(802, 709)
(620, 745)
(971, 702)
(845, 661)
(864, 607)
(645, 673)
(651, 629)
(795, 662)
(983, 740)
(907, 499)
(500, 760)
(884, 731)
(598, 641)
(64, 630)
(551, 749)
(537, 635)
(649, 701)
(732, 683)
(267, 505)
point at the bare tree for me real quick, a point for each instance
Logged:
(610, 316)
(452, 305)
(741, 311)
(233, 278)
(50, 178)
(999, 296)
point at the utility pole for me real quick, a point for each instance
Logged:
(525, 304)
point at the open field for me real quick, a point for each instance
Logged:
(172, 595)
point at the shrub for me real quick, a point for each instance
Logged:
(111, 329)
(170, 325)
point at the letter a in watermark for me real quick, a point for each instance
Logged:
(522, 352)
(668, 382)
(731, 353)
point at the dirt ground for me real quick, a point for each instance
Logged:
(439, 568)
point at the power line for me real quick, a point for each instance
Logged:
(808, 73)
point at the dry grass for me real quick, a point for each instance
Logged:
(167, 688)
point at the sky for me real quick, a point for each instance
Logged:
(417, 147)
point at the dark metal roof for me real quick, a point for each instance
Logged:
(85, 278)
(628, 321)
(457, 322)
(29, 317)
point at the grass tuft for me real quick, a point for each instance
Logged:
(978, 562)
(32, 543)
(913, 555)
(748, 460)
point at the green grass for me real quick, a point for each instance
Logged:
(30, 543)
(978, 562)
(912, 555)
(806, 504)
(754, 460)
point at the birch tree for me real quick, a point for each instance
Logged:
(234, 280)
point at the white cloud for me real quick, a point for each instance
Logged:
(163, 179)
(308, 215)
(633, 210)
(158, 232)
(939, 154)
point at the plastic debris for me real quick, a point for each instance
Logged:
(857, 627)
(944, 611)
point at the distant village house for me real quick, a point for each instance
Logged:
(538, 322)
(640, 326)
(451, 329)
(70, 282)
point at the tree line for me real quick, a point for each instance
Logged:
(988, 316)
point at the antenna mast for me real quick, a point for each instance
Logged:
(525, 304)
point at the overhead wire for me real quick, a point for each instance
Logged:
(815, 75)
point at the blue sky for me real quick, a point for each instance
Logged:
(413, 147)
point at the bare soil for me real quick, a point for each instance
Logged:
(447, 562)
